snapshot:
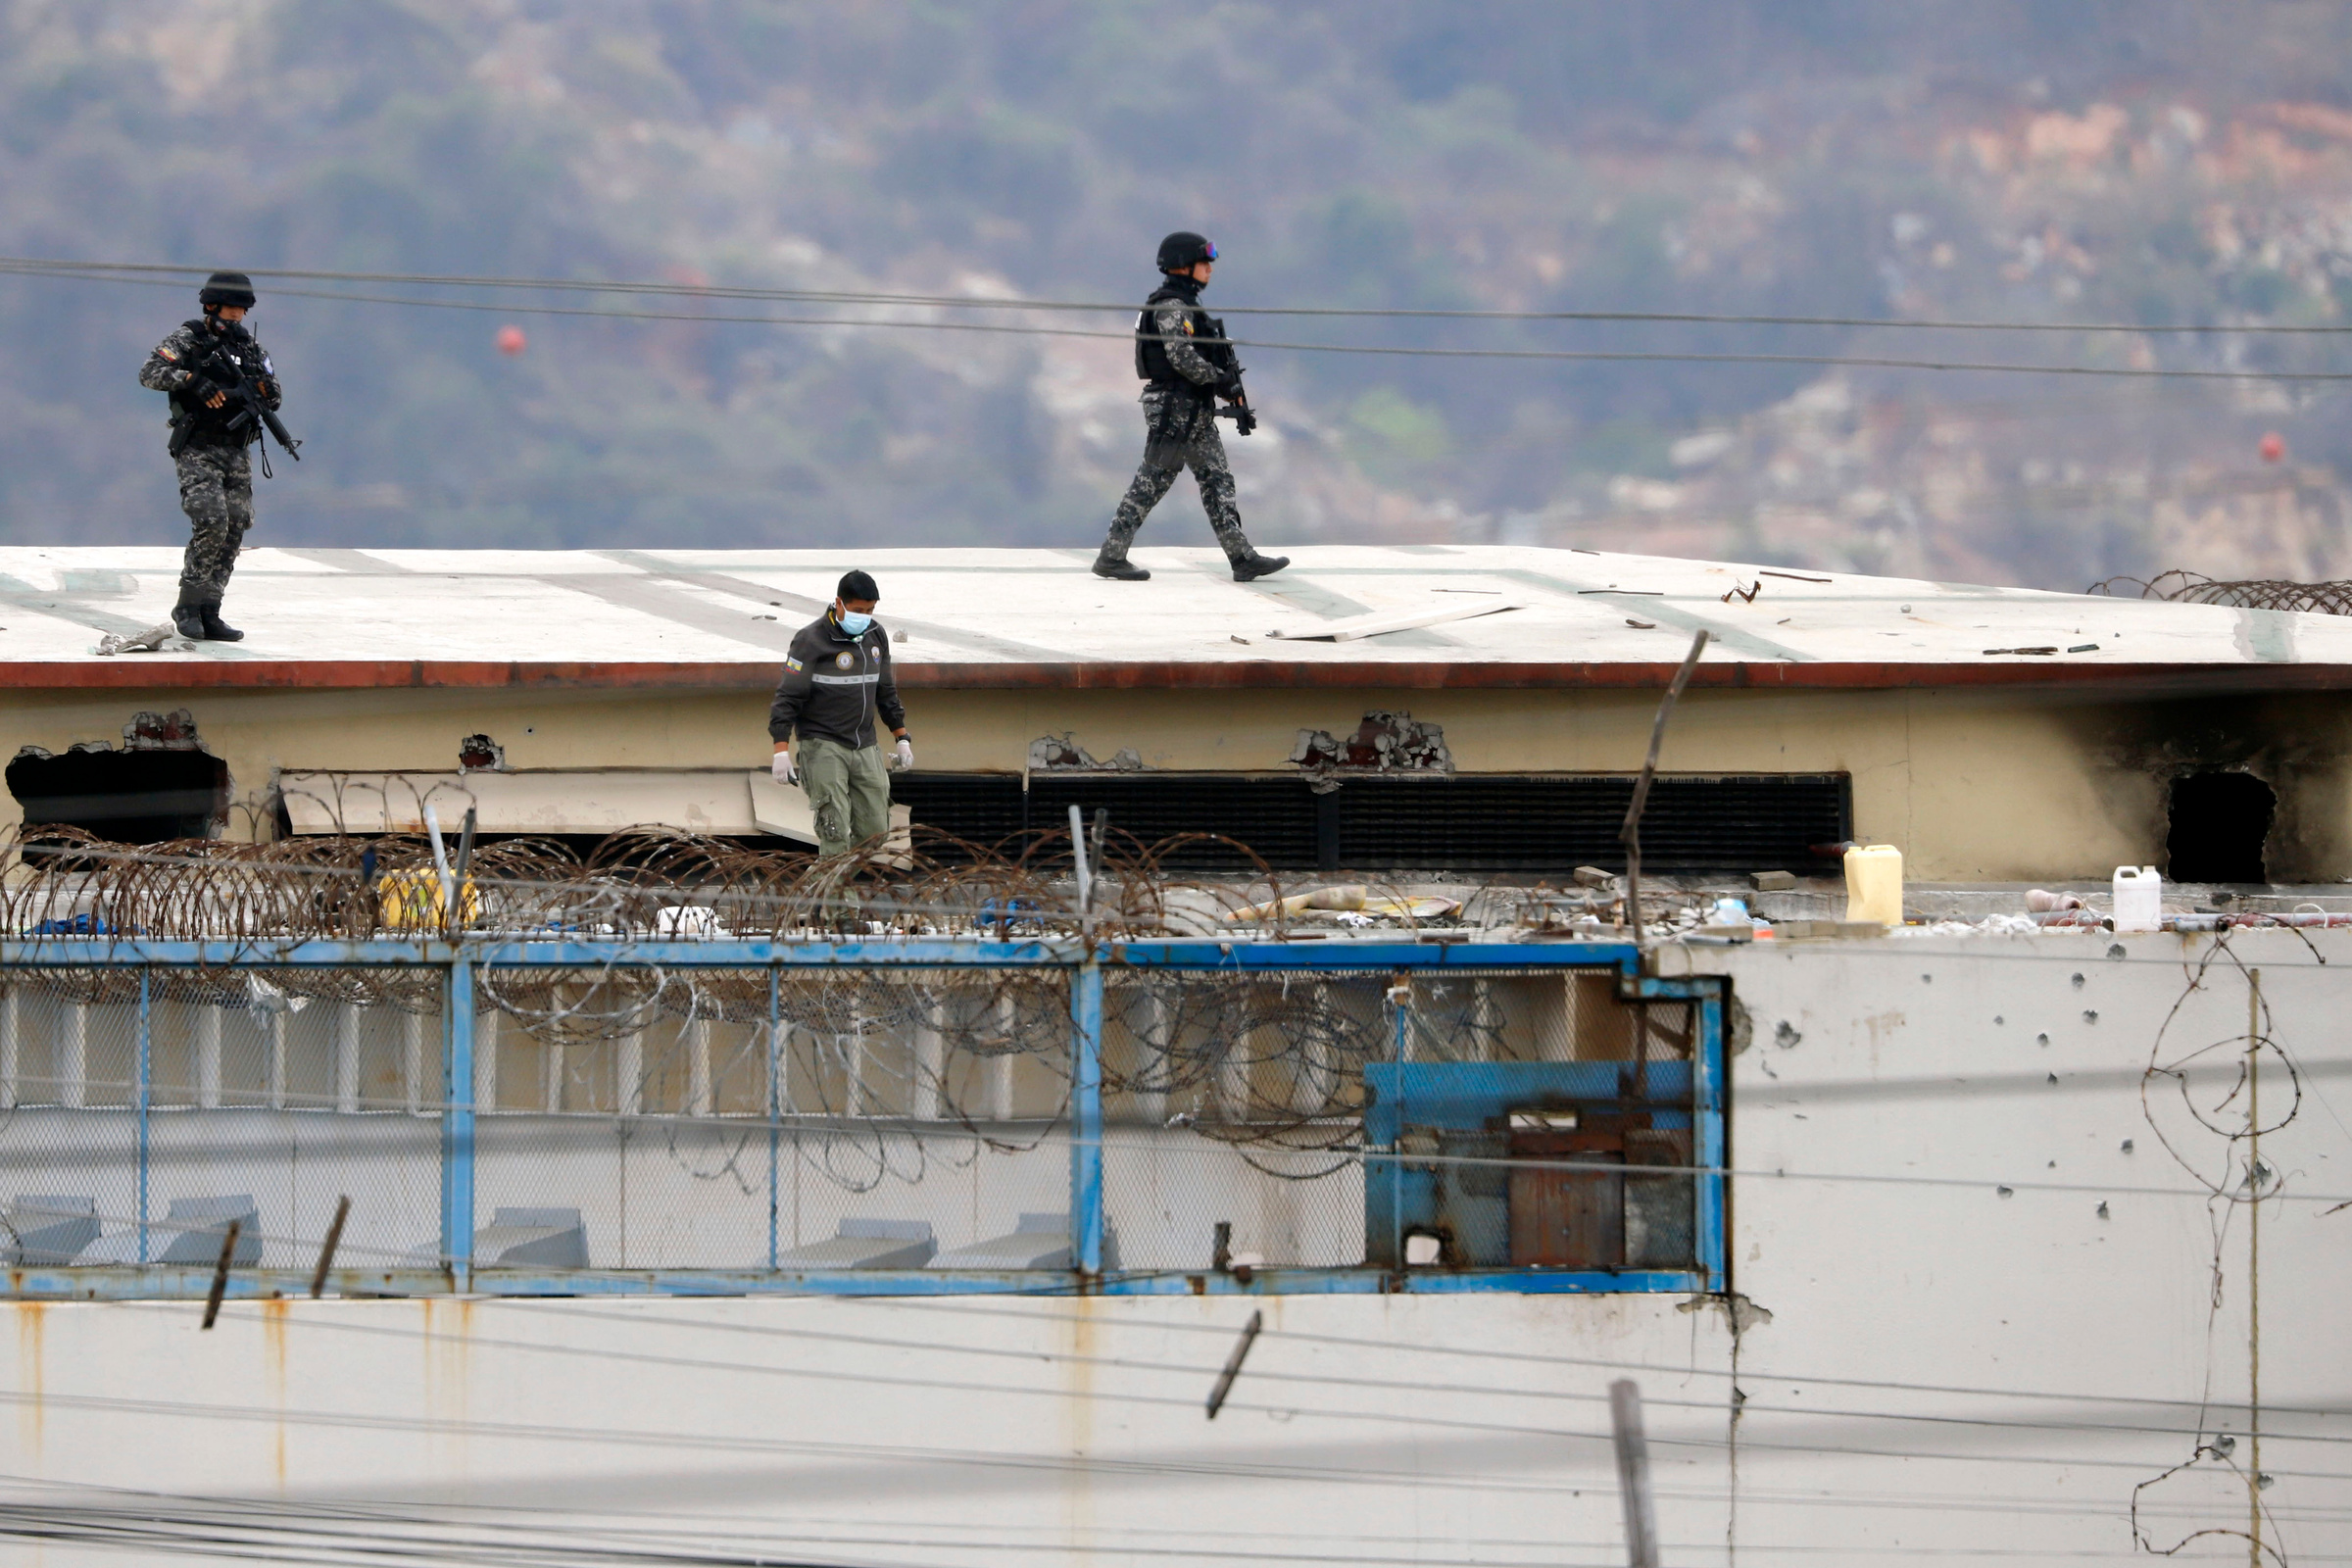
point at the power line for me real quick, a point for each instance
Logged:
(1189, 1402)
(46, 266)
(1565, 355)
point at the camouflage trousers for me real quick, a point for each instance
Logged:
(1180, 435)
(215, 491)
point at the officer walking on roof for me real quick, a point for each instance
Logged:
(1181, 352)
(837, 682)
(208, 366)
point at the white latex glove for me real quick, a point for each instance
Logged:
(784, 771)
(904, 752)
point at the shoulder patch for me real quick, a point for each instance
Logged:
(793, 665)
(1187, 326)
(169, 353)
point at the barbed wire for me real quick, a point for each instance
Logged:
(2252, 593)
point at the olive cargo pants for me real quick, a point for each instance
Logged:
(849, 787)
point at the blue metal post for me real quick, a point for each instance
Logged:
(146, 1096)
(776, 1109)
(1707, 1142)
(457, 1123)
(1086, 1117)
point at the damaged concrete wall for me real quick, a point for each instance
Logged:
(2012, 1071)
(1973, 785)
(1988, 1368)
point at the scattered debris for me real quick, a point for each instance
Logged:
(1747, 595)
(2042, 902)
(1239, 638)
(1642, 625)
(2084, 647)
(1384, 743)
(1593, 876)
(2049, 650)
(162, 638)
(175, 731)
(1772, 881)
(1061, 754)
(1350, 899)
(1793, 576)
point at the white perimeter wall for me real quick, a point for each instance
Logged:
(1421, 1428)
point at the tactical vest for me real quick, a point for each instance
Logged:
(210, 426)
(1151, 361)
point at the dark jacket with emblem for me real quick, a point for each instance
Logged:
(194, 362)
(1179, 346)
(834, 686)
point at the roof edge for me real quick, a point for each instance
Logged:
(138, 672)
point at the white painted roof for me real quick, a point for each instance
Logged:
(341, 618)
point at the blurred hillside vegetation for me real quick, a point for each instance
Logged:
(2149, 163)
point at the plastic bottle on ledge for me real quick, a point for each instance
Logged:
(1874, 884)
(2139, 899)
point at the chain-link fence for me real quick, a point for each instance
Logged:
(878, 1120)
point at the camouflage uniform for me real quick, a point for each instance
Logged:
(216, 471)
(1180, 426)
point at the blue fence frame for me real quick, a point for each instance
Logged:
(461, 963)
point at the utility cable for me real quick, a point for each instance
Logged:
(1598, 356)
(49, 267)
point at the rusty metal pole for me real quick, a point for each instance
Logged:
(326, 1249)
(1630, 832)
(1632, 1471)
(228, 1251)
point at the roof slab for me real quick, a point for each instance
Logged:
(341, 619)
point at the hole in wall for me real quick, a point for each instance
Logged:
(126, 797)
(2219, 822)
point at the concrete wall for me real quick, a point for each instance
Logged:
(1945, 1369)
(2003, 785)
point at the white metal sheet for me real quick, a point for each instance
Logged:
(588, 800)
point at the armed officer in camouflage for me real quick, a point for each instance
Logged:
(1181, 354)
(213, 367)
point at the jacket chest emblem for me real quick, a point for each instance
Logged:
(845, 661)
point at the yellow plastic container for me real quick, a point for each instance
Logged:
(411, 901)
(1874, 884)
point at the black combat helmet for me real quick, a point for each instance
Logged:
(1182, 248)
(227, 288)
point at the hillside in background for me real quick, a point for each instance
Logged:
(2037, 162)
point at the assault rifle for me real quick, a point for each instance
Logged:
(1219, 353)
(253, 415)
(1243, 416)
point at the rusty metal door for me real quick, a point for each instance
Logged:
(1564, 1219)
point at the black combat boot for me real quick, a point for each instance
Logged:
(1255, 566)
(188, 620)
(218, 630)
(1121, 570)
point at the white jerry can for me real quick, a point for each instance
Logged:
(2139, 899)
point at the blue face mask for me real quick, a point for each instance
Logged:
(854, 622)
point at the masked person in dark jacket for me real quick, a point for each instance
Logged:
(1182, 355)
(838, 682)
(200, 365)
